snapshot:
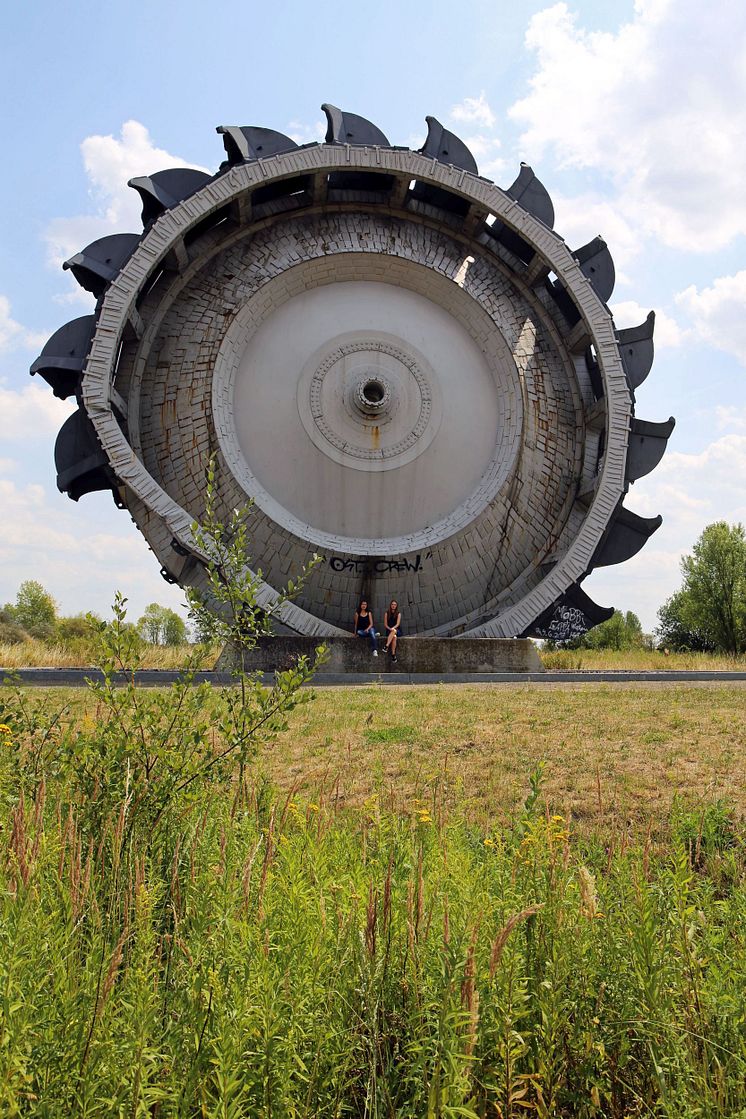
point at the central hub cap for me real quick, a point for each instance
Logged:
(373, 396)
(370, 402)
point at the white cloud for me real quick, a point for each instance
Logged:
(304, 133)
(658, 107)
(584, 216)
(31, 412)
(668, 333)
(109, 162)
(81, 553)
(474, 110)
(485, 150)
(696, 489)
(15, 336)
(730, 417)
(718, 313)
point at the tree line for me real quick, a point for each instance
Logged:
(35, 614)
(706, 614)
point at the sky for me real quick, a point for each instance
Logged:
(633, 115)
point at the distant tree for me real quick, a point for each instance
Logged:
(620, 631)
(77, 627)
(675, 629)
(35, 610)
(205, 626)
(160, 625)
(711, 605)
(174, 629)
(10, 632)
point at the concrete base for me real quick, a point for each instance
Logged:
(447, 656)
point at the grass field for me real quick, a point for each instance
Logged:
(480, 902)
(616, 755)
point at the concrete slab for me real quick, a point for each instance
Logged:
(418, 655)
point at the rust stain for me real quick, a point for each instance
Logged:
(375, 435)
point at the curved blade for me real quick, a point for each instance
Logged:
(164, 189)
(624, 537)
(244, 143)
(637, 350)
(82, 466)
(447, 147)
(532, 195)
(61, 361)
(572, 615)
(347, 128)
(98, 263)
(647, 445)
(596, 263)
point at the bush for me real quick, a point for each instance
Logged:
(11, 633)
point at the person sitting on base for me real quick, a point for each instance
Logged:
(392, 620)
(364, 625)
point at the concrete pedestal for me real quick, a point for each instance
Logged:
(416, 655)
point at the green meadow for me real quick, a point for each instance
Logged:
(447, 901)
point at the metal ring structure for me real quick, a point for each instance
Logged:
(398, 362)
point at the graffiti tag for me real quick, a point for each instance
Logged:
(378, 566)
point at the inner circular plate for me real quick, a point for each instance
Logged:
(304, 411)
(370, 401)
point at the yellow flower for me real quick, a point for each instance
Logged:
(314, 807)
(488, 842)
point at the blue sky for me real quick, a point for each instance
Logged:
(633, 115)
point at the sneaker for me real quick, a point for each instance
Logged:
(395, 658)
(375, 652)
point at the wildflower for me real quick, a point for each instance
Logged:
(488, 842)
(589, 901)
(314, 807)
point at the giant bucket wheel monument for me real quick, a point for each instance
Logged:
(400, 364)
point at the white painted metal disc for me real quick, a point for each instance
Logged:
(357, 472)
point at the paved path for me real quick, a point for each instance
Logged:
(152, 677)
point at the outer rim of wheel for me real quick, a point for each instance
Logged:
(119, 303)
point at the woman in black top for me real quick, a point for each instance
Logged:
(364, 625)
(392, 619)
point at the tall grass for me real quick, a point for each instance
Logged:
(255, 954)
(638, 660)
(83, 654)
